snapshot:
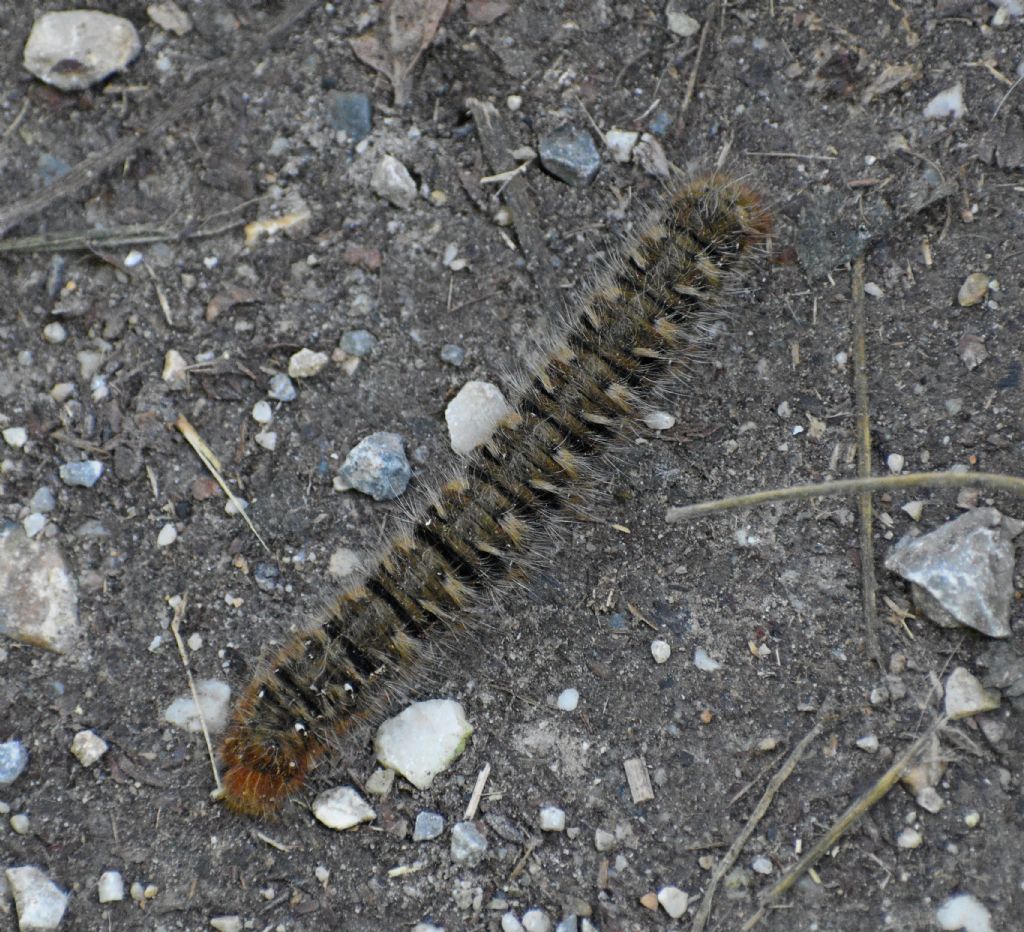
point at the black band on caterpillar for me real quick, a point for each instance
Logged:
(651, 312)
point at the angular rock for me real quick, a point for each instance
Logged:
(39, 901)
(341, 808)
(468, 843)
(38, 594)
(423, 740)
(377, 466)
(392, 181)
(965, 696)
(13, 760)
(473, 414)
(74, 49)
(88, 747)
(962, 573)
(214, 696)
(570, 155)
(428, 826)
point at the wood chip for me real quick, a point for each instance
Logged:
(639, 782)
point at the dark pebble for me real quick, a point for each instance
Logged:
(350, 113)
(570, 155)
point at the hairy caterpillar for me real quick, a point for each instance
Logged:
(645, 317)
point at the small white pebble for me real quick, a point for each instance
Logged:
(895, 462)
(660, 650)
(227, 923)
(703, 661)
(552, 819)
(914, 510)
(972, 819)
(33, 523)
(659, 420)
(175, 371)
(568, 699)
(267, 439)
(322, 874)
(513, 102)
(19, 822)
(536, 920)
(88, 747)
(873, 289)
(133, 258)
(111, 887)
(15, 437)
(966, 912)
(674, 901)
(868, 743)
(262, 413)
(909, 839)
(195, 641)
(306, 363)
(167, 536)
(762, 865)
(54, 333)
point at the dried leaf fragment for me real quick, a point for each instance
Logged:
(409, 27)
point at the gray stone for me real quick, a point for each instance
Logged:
(377, 466)
(351, 114)
(13, 760)
(85, 473)
(358, 342)
(341, 808)
(962, 573)
(453, 355)
(468, 843)
(392, 181)
(570, 155)
(43, 501)
(38, 594)
(76, 48)
(282, 388)
(428, 825)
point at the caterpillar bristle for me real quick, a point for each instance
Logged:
(615, 354)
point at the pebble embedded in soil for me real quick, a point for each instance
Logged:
(20, 823)
(262, 413)
(377, 466)
(39, 901)
(962, 573)
(964, 911)
(13, 760)
(358, 342)
(972, 350)
(570, 155)
(88, 747)
(84, 473)
(15, 437)
(267, 439)
(660, 650)
(74, 49)
(167, 536)
(659, 420)
(468, 843)
(341, 808)
(949, 102)
(227, 923)
(429, 825)
(392, 181)
(453, 355)
(380, 782)
(868, 743)
(350, 113)
(620, 143)
(423, 740)
(282, 388)
(703, 661)
(214, 696)
(674, 901)
(536, 920)
(54, 332)
(306, 363)
(344, 562)
(170, 17)
(175, 371)
(909, 839)
(568, 699)
(552, 819)
(680, 22)
(762, 865)
(43, 500)
(973, 290)
(110, 888)
(33, 524)
(473, 414)
(965, 696)
(38, 594)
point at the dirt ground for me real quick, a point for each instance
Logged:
(783, 96)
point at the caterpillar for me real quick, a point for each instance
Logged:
(650, 313)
